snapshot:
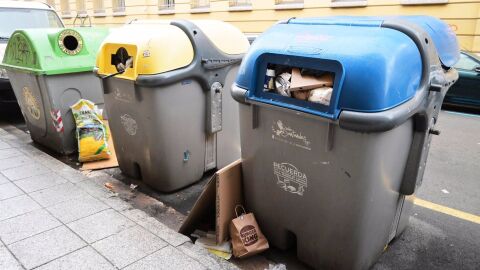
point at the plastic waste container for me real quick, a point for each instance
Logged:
(50, 70)
(333, 170)
(170, 112)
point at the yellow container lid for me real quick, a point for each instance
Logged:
(154, 48)
(157, 46)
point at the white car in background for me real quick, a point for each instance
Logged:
(21, 15)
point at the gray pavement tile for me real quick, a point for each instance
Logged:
(17, 206)
(9, 153)
(165, 259)
(3, 179)
(207, 259)
(71, 174)
(4, 145)
(47, 246)
(84, 259)
(9, 190)
(25, 171)
(100, 225)
(57, 194)
(7, 261)
(95, 190)
(29, 224)
(156, 227)
(129, 246)
(15, 162)
(116, 203)
(38, 182)
(76, 209)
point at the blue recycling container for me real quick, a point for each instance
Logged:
(336, 117)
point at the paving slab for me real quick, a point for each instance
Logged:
(34, 183)
(129, 246)
(84, 259)
(156, 227)
(9, 153)
(45, 247)
(7, 261)
(100, 225)
(26, 225)
(15, 162)
(3, 179)
(72, 210)
(4, 145)
(9, 190)
(17, 206)
(207, 259)
(58, 194)
(165, 259)
(25, 171)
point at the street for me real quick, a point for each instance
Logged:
(444, 230)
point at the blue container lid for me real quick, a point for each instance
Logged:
(376, 68)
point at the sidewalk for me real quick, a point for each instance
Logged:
(54, 217)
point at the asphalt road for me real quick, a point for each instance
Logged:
(440, 238)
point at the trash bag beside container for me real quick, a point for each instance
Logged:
(336, 179)
(171, 113)
(50, 70)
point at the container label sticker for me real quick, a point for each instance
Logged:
(289, 178)
(129, 124)
(31, 103)
(286, 134)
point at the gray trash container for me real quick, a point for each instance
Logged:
(50, 70)
(333, 172)
(170, 112)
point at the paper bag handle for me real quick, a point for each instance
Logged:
(242, 208)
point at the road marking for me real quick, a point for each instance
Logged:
(447, 210)
(463, 114)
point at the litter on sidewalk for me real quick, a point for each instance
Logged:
(91, 132)
(213, 218)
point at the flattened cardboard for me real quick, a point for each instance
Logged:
(222, 192)
(307, 82)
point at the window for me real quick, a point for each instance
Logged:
(422, 2)
(466, 62)
(288, 4)
(98, 8)
(348, 3)
(168, 5)
(118, 7)
(81, 8)
(240, 3)
(200, 4)
(65, 6)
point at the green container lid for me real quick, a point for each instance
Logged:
(51, 51)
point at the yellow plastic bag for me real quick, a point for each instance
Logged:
(91, 132)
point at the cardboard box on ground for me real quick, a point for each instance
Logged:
(211, 216)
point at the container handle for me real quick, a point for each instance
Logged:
(121, 68)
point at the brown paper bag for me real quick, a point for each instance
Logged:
(247, 239)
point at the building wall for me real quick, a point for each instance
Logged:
(462, 15)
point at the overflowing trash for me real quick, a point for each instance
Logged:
(300, 83)
(91, 132)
